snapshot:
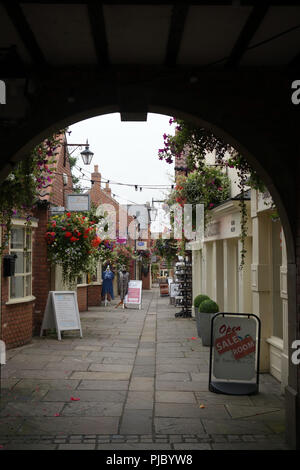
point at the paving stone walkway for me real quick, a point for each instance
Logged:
(136, 380)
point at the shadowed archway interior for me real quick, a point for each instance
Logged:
(226, 67)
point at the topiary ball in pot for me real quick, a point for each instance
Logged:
(207, 310)
(197, 301)
(208, 306)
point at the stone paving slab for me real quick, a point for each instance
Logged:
(138, 378)
(234, 426)
(57, 384)
(43, 374)
(190, 411)
(184, 386)
(142, 384)
(238, 411)
(91, 408)
(144, 371)
(103, 385)
(137, 420)
(175, 397)
(140, 400)
(178, 426)
(86, 395)
(94, 367)
(30, 409)
(69, 425)
(274, 420)
(100, 375)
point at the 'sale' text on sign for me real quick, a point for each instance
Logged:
(234, 343)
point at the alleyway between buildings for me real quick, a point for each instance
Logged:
(138, 379)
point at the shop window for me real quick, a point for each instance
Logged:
(21, 247)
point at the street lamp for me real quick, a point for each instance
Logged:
(86, 154)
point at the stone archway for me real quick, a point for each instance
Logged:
(251, 122)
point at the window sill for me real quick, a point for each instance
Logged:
(21, 300)
(275, 342)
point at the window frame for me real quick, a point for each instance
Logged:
(20, 224)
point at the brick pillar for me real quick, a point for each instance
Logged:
(41, 281)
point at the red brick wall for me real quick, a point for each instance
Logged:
(16, 319)
(82, 298)
(146, 281)
(41, 281)
(94, 295)
(59, 190)
(103, 196)
(17, 324)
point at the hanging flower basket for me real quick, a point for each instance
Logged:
(74, 244)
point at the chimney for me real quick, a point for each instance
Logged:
(96, 177)
(107, 188)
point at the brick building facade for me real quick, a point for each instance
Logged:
(24, 296)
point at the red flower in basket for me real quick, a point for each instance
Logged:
(68, 234)
(96, 241)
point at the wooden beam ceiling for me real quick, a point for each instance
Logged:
(21, 24)
(252, 24)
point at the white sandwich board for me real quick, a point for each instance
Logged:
(61, 312)
(134, 294)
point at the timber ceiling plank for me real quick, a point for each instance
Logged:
(19, 21)
(96, 16)
(255, 19)
(179, 14)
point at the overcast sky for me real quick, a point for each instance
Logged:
(126, 152)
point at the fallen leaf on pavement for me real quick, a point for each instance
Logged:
(201, 406)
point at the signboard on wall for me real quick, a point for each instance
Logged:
(234, 353)
(174, 289)
(61, 312)
(78, 202)
(134, 294)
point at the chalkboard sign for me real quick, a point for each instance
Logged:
(61, 312)
(134, 294)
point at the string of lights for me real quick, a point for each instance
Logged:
(136, 186)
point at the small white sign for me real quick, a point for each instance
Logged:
(61, 312)
(78, 202)
(2, 353)
(174, 289)
(134, 294)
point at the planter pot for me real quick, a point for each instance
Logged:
(197, 316)
(205, 323)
